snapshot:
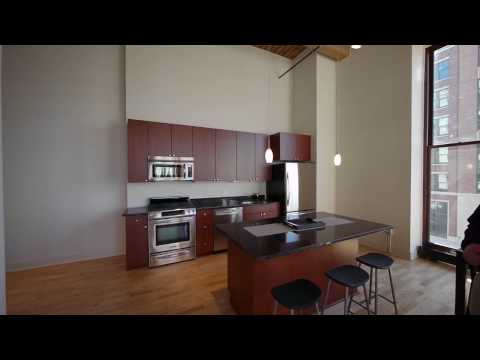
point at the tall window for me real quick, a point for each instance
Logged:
(440, 98)
(441, 69)
(452, 172)
(440, 125)
(440, 156)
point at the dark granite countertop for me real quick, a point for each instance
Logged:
(224, 202)
(209, 203)
(266, 247)
(136, 211)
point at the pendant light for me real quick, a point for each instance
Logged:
(268, 152)
(337, 159)
(356, 47)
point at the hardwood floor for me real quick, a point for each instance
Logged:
(195, 287)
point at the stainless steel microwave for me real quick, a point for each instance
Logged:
(169, 168)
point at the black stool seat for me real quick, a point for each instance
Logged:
(348, 275)
(297, 294)
(375, 260)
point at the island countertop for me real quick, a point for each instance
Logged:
(271, 246)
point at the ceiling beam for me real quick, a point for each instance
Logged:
(334, 52)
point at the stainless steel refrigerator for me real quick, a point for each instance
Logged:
(294, 185)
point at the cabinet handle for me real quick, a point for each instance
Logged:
(145, 227)
(204, 226)
(136, 220)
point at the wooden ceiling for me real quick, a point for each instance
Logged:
(335, 52)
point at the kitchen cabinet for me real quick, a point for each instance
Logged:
(254, 213)
(290, 147)
(136, 241)
(263, 171)
(245, 156)
(159, 139)
(137, 134)
(225, 155)
(182, 140)
(205, 232)
(204, 154)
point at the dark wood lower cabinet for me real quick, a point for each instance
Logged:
(205, 232)
(136, 241)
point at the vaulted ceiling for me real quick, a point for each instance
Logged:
(334, 52)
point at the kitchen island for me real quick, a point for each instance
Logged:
(267, 253)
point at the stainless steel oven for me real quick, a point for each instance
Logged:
(168, 168)
(171, 236)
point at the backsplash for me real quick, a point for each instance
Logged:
(138, 194)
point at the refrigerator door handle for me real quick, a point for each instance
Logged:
(288, 191)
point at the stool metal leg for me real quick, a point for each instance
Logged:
(367, 299)
(376, 291)
(318, 309)
(393, 292)
(275, 308)
(370, 285)
(326, 296)
(350, 302)
(345, 302)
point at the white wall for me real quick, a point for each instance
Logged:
(3, 300)
(65, 151)
(314, 114)
(326, 132)
(374, 114)
(223, 87)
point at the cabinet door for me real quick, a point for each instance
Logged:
(225, 155)
(263, 171)
(204, 154)
(159, 139)
(205, 234)
(137, 134)
(245, 156)
(136, 241)
(302, 146)
(182, 140)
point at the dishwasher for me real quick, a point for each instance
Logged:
(225, 216)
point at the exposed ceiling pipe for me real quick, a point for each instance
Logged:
(306, 56)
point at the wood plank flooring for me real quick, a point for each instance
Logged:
(195, 287)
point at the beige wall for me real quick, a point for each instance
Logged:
(374, 114)
(3, 302)
(314, 114)
(326, 132)
(223, 87)
(65, 153)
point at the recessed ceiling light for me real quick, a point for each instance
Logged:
(356, 47)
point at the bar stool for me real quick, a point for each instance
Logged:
(351, 277)
(378, 261)
(296, 295)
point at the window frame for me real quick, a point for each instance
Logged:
(433, 250)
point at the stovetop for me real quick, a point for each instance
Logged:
(172, 203)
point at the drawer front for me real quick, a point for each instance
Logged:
(205, 234)
(205, 217)
(273, 208)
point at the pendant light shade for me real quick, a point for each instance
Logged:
(356, 47)
(337, 160)
(268, 156)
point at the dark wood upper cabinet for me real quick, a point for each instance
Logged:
(182, 140)
(225, 155)
(245, 156)
(136, 241)
(137, 134)
(263, 171)
(159, 139)
(204, 154)
(290, 147)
